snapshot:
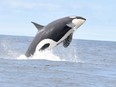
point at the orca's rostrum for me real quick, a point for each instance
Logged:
(54, 33)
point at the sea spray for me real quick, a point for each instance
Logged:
(43, 55)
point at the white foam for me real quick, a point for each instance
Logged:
(44, 55)
(22, 57)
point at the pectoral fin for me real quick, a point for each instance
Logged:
(67, 41)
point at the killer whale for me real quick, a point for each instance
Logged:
(56, 32)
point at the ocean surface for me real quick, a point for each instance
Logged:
(85, 63)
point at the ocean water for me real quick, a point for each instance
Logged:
(85, 63)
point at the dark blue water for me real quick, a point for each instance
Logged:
(87, 64)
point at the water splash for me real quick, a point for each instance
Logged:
(44, 55)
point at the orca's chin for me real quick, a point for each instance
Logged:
(77, 22)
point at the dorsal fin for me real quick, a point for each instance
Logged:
(38, 26)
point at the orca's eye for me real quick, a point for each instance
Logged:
(44, 47)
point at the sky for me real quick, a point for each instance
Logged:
(16, 16)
